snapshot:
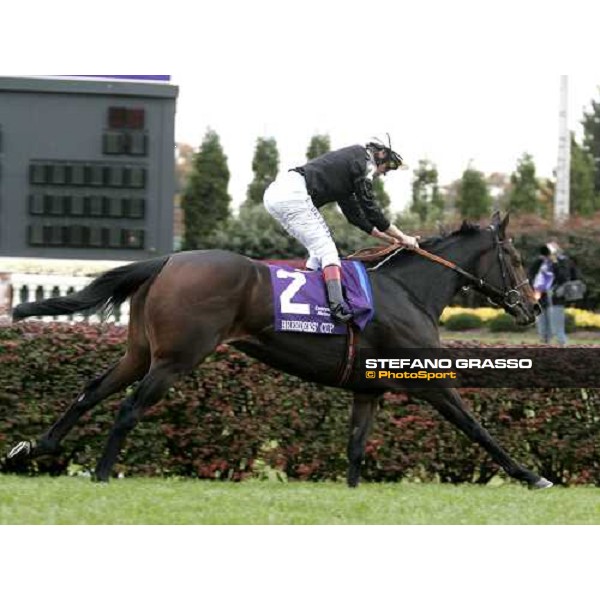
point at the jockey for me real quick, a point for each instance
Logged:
(344, 176)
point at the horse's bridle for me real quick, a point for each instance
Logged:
(509, 297)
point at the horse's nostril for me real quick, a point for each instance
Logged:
(537, 310)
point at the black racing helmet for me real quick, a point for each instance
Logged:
(391, 158)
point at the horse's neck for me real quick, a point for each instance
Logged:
(432, 285)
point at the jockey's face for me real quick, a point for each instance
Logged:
(382, 168)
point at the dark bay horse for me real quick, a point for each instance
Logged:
(184, 305)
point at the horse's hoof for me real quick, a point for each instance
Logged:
(541, 484)
(97, 478)
(20, 451)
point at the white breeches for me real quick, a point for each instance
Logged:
(287, 200)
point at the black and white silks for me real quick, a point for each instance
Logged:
(344, 176)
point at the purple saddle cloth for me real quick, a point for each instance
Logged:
(300, 299)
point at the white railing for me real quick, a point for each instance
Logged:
(31, 288)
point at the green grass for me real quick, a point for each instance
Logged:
(76, 500)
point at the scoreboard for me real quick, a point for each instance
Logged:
(87, 166)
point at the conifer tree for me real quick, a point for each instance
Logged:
(582, 199)
(426, 198)
(319, 144)
(523, 196)
(474, 200)
(265, 165)
(205, 201)
(591, 140)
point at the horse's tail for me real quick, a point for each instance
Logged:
(104, 293)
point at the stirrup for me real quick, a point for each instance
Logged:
(340, 314)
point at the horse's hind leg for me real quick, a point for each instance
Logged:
(361, 421)
(447, 402)
(129, 369)
(150, 390)
(177, 356)
(186, 352)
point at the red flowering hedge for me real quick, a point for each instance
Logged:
(235, 418)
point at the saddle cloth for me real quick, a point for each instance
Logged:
(300, 299)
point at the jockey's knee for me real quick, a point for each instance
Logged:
(330, 256)
(313, 263)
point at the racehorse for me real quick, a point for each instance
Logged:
(185, 304)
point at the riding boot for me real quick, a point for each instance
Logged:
(340, 311)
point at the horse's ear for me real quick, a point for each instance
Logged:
(503, 226)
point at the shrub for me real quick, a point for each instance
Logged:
(235, 418)
(485, 313)
(584, 319)
(504, 322)
(579, 318)
(461, 322)
(570, 323)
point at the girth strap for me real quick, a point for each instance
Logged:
(348, 363)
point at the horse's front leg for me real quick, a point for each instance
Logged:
(361, 421)
(447, 402)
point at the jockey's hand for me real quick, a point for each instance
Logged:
(389, 239)
(401, 238)
(409, 240)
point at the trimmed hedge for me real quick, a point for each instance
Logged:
(236, 418)
(577, 318)
(462, 322)
(504, 322)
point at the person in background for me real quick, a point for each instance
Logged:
(548, 273)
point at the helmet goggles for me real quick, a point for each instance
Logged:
(389, 158)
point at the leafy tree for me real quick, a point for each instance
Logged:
(407, 220)
(591, 140)
(347, 238)
(523, 196)
(382, 198)
(257, 234)
(581, 193)
(546, 197)
(474, 201)
(265, 165)
(205, 200)
(425, 191)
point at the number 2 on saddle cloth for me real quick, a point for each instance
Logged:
(300, 301)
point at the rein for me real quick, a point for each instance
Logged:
(508, 297)
(491, 291)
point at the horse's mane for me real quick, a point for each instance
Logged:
(431, 243)
(466, 228)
